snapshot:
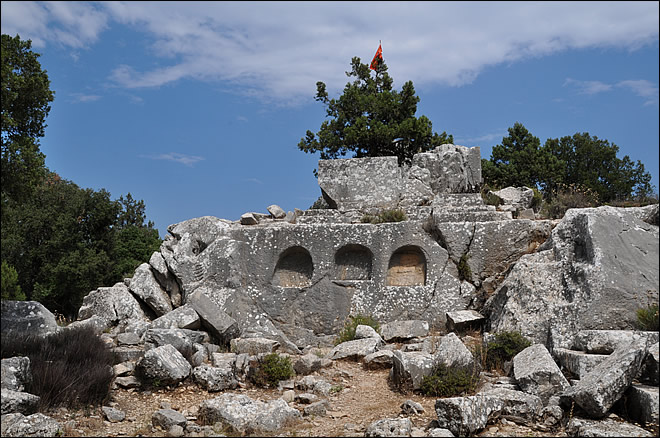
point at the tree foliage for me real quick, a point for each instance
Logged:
(26, 98)
(593, 163)
(371, 119)
(577, 161)
(520, 161)
(65, 241)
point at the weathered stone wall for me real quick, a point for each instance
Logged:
(379, 182)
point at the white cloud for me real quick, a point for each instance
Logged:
(482, 139)
(278, 50)
(588, 87)
(187, 160)
(84, 98)
(72, 24)
(642, 88)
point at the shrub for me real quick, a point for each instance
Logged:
(449, 381)
(569, 196)
(464, 271)
(489, 197)
(271, 369)
(503, 348)
(348, 332)
(647, 318)
(391, 215)
(72, 367)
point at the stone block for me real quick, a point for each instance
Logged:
(462, 320)
(537, 373)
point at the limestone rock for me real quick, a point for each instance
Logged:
(606, 341)
(409, 368)
(113, 415)
(166, 418)
(582, 277)
(608, 427)
(405, 329)
(276, 211)
(537, 373)
(378, 359)
(248, 219)
(642, 402)
(453, 353)
(355, 349)
(18, 401)
(460, 320)
(113, 305)
(464, 416)
(144, 285)
(26, 317)
(242, 414)
(223, 327)
(15, 373)
(310, 363)
(216, 378)
(390, 427)
(515, 197)
(605, 384)
(253, 346)
(18, 425)
(166, 279)
(164, 365)
(183, 317)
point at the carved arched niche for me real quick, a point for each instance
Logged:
(407, 267)
(353, 262)
(294, 268)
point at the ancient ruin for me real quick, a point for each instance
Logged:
(416, 248)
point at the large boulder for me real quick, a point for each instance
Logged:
(597, 392)
(593, 272)
(19, 401)
(144, 285)
(26, 317)
(221, 326)
(409, 369)
(243, 414)
(163, 366)
(114, 305)
(537, 373)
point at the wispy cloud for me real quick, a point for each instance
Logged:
(187, 160)
(276, 51)
(480, 140)
(588, 87)
(84, 98)
(642, 88)
(252, 180)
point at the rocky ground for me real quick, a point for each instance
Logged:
(364, 398)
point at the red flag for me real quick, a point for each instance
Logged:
(378, 58)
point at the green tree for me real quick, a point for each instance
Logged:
(65, 241)
(26, 98)
(520, 161)
(371, 119)
(11, 290)
(593, 163)
(135, 241)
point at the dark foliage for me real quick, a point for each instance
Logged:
(270, 370)
(449, 381)
(70, 368)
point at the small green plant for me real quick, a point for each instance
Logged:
(348, 332)
(489, 197)
(271, 369)
(647, 318)
(391, 215)
(464, 271)
(449, 381)
(336, 389)
(503, 348)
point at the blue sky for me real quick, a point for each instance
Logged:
(197, 108)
